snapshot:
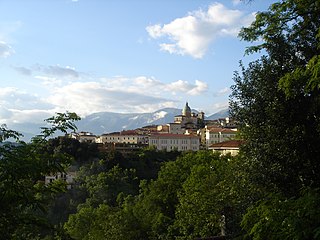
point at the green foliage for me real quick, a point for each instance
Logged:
(105, 187)
(81, 152)
(278, 95)
(164, 207)
(113, 182)
(179, 204)
(6, 133)
(23, 195)
(61, 122)
(280, 218)
(103, 222)
(277, 103)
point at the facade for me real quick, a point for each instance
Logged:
(84, 137)
(218, 135)
(170, 142)
(231, 146)
(67, 177)
(125, 137)
(163, 128)
(175, 128)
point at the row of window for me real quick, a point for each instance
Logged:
(222, 135)
(175, 141)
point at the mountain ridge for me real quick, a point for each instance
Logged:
(106, 122)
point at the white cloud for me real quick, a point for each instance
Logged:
(49, 81)
(154, 87)
(146, 82)
(117, 94)
(17, 106)
(155, 31)
(184, 86)
(199, 88)
(34, 116)
(222, 92)
(193, 34)
(89, 97)
(179, 86)
(5, 50)
(13, 98)
(121, 94)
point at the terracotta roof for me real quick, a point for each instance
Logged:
(171, 135)
(128, 132)
(113, 133)
(223, 130)
(227, 144)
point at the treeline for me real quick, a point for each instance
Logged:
(189, 196)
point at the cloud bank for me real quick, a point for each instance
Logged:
(193, 34)
(65, 89)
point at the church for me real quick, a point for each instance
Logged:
(189, 119)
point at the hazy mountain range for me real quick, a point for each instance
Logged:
(105, 122)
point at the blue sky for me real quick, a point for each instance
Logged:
(91, 56)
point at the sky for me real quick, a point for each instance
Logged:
(126, 56)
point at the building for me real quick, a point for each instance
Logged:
(188, 119)
(125, 137)
(174, 128)
(179, 142)
(84, 137)
(68, 177)
(231, 146)
(218, 135)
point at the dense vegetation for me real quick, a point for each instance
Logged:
(271, 190)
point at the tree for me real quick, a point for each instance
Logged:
(278, 109)
(278, 217)
(156, 206)
(23, 195)
(276, 100)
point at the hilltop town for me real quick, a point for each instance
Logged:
(189, 131)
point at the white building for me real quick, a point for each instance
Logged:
(84, 137)
(68, 177)
(231, 146)
(126, 137)
(217, 135)
(178, 142)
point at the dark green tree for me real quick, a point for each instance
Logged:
(24, 196)
(276, 100)
(278, 108)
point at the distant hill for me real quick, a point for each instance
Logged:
(106, 122)
(221, 114)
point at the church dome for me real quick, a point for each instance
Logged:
(186, 110)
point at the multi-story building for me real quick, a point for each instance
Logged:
(170, 142)
(125, 137)
(231, 146)
(84, 137)
(217, 135)
(188, 119)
